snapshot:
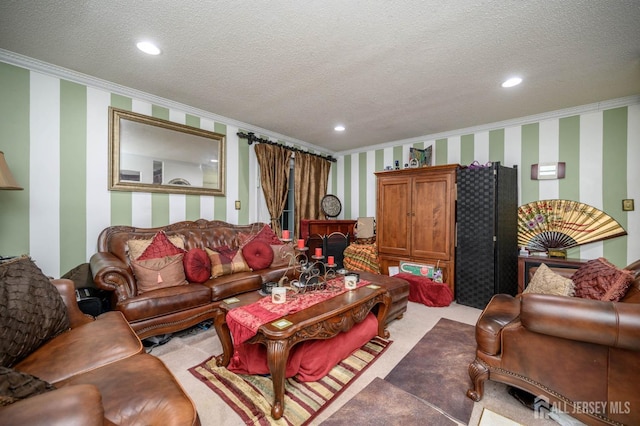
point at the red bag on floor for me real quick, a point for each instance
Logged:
(426, 291)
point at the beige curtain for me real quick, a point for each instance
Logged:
(274, 177)
(311, 179)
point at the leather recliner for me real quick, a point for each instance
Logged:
(579, 356)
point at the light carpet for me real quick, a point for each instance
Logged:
(189, 349)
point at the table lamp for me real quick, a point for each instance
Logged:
(6, 178)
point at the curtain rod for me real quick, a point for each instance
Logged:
(251, 138)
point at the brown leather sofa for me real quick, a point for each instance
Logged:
(579, 356)
(167, 310)
(172, 309)
(102, 377)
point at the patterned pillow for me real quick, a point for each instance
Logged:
(282, 255)
(545, 281)
(601, 280)
(266, 235)
(197, 265)
(160, 247)
(16, 385)
(153, 274)
(225, 261)
(31, 310)
(137, 247)
(257, 254)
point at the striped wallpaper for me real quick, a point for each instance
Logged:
(601, 149)
(54, 133)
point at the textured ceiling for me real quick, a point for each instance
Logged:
(386, 70)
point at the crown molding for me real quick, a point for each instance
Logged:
(36, 65)
(77, 77)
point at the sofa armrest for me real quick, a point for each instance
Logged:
(613, 324)
(112, 274)
(70, 405)
(501, 310)
(67, 290)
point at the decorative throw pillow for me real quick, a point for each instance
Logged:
(545, 281)
(225, 261)
(239, 264)
(266, 235)
(16, 385)
(137, 247)
(257, 254)
(31, 310)
(282, 255)
(197, 265)
(601, 280)
(160, 247)
(220, 264)
(153, 274)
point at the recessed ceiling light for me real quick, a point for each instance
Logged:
(339, 128)
(148, 47)
(514, 81)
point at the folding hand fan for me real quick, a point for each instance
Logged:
(562, 224)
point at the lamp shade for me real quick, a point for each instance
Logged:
(6, 178)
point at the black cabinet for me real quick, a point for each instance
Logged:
(487, 233)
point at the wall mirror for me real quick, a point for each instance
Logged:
(149, 154)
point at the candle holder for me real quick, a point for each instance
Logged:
(313, 274)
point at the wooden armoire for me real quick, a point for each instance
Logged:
(416, 219)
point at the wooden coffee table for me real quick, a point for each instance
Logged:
(321, 321)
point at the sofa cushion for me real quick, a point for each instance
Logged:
(164, 272)
(545, 281)
(140, 390)
(257, 254)
(282, 255)
(92, 345)
(16, 385)
(197, 265)
(160, 247)
(165, 301)
(225, 261)
(31, 310)
(135, 247)
(601, 280)
(265, 234)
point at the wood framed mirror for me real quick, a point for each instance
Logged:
(148, 154)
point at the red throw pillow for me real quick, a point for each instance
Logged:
(601, 280)
(257, 254)
(266, 235)
(160, 247)
(197, 265)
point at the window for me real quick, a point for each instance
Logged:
(287, 218)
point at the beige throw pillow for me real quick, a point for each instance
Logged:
(153, 274)
(545, 281)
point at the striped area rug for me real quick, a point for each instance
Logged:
(251, 396)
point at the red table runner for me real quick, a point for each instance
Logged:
(244, 321)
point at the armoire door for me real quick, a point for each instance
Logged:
(432, 216)
(394, 216)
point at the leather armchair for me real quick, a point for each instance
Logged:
(580, 356)
(102, 377)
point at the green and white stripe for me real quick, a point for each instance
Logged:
(600, 146)
(54, 133)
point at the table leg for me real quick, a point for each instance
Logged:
(383, 309)
(277, 355)
(224, 334)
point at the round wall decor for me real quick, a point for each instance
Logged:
(331, 205)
